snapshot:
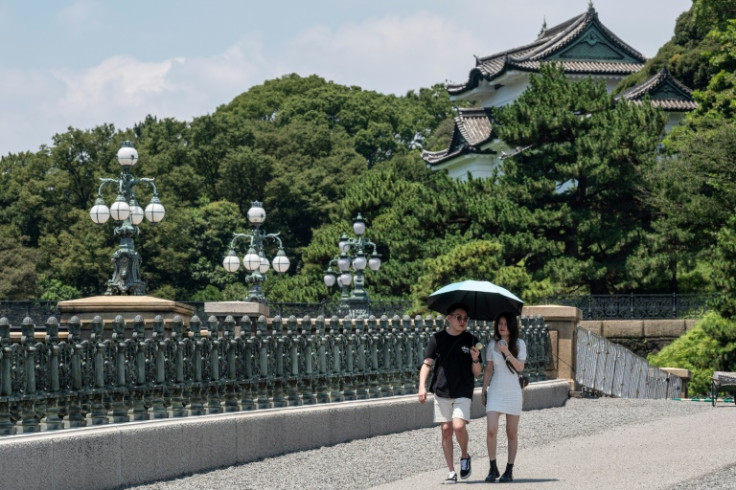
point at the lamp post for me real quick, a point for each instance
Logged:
(255, 259)
(354, 256)
(126, 280)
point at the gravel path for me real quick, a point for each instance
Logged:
(380, 460)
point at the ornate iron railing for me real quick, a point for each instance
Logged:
(636, 306)
(121, 374)
(611, 369)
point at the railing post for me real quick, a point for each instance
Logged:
(8, 353)
(264, 379)
(291, 350)
(159, 348)
(230, 349)
(279, 353)
(247, 359)
(196, 407)
(374, 338)
(348, 356)
(79, 351)
(334, 367)
(308, 341)
(214, 356)
(139, 390)
(179, 345)
(360, 345)
(388, 372)
(29, 419)
(121, 393)
(321, 362)
(55, 404)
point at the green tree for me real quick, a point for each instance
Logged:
(579, 174)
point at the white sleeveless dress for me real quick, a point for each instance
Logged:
(504, 392)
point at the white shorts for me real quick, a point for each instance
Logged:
(446, 409)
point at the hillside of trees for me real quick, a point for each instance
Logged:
(598, 204)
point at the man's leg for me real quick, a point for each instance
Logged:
(461, 434)
(447, 445)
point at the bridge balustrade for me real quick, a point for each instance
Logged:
(134, 371)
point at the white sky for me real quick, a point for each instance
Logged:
(88, 62)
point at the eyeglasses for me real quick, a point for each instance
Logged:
(460, 318)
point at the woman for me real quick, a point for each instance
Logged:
(503, 395)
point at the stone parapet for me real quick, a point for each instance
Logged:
(562, 322)
(132, 454)
(108, 307)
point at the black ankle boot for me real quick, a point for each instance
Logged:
(493, 473)
(508, 474)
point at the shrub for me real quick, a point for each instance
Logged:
(709, 346)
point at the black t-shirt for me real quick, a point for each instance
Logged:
(453, 365)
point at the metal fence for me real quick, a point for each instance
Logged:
(636, 306)
(138, 372)
(613, 370)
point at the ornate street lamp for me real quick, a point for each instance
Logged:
(126, 280)
(255, 259)
(355, 255)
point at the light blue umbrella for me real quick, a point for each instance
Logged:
(484, 300)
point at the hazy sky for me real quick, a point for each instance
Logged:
(84, 63)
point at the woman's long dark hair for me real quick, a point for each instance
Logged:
(513, 327)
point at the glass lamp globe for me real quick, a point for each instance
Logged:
(359, 225)
(281, 262)
(265, 265)
(99, 213)
(155, 210)
(343, 263)
(231, 262)
(359, 262)
(252, 260)
(330, 279)
(375, 262)
(345, 279)
(136, 212)
(127, 155)
(256, 213)
(120, 210)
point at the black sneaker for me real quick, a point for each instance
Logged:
(451, 478)
(465, 468)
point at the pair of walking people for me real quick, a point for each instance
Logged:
(457, 362)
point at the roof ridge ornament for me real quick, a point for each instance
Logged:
(590, 6)
(543, 31)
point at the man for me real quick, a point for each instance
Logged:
(457, 365)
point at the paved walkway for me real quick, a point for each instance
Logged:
(658, 454)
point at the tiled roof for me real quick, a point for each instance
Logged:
(599, 67)
(473, 127)
(551, 45)
(664, 91)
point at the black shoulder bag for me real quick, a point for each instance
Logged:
(523, 380)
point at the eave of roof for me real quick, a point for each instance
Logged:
(472, 129)
(550, 42)
(651, 85)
